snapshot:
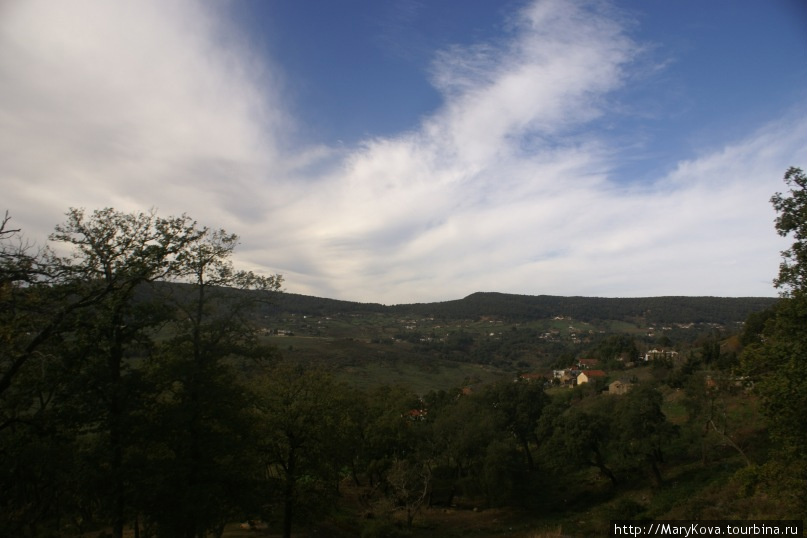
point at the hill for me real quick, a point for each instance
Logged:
(522, 308)
(430, 346)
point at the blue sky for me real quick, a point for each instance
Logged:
(349, 61)
(418, 151)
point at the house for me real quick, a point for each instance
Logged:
(416, 414)
(659, 354)
(619, 387)
(585, 364)
(569, 376)
(590, 375)
(725, 382)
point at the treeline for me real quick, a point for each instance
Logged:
(293, 303)
(650, 309)
(521, 308)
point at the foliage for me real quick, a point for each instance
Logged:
(300, 416)
(792, 220)
(616, 347)
(518, 407)
(642, 431)
(580, 438)
(81, 373)
(710, 424)
(776, 358)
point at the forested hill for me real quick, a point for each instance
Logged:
(528, 307)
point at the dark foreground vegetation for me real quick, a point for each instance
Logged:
(148, 388)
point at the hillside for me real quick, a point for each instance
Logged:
(511, 307)
(486, 336)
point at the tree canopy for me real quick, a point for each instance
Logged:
(776, 358)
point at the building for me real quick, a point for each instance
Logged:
(585, 364)
(654, 354)
(590, 375)
(619, 386)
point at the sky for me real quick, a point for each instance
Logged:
(420, 151)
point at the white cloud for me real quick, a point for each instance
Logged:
(507, 187)
(132, 104)
(552, 75)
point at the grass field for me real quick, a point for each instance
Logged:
(367, 364)
(420, 378)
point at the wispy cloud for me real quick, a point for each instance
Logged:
(510, 185)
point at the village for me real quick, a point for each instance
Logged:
(588, 371)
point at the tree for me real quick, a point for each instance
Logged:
(780, 354)
(212, 322)
(518, 407)
(776, 359)
(39, 483)
(75, 315)
(299, 413)
(581, 438)
(33, 306)
(409, 484)
(707, 412)
(37, 479)
(616, 347)
(21, 313)
(113, 254)
(792, 220)
(117, 373)
(389, 431)
(460, 435)
(642, 431)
